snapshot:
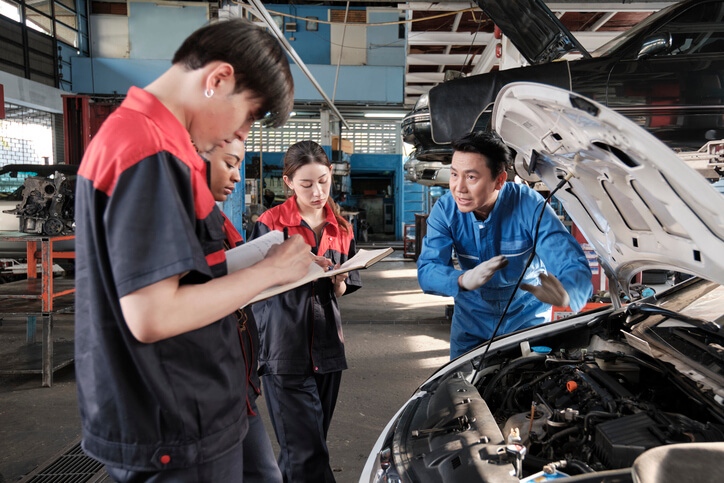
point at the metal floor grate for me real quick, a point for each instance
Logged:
(71, 466)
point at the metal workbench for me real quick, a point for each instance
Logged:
(39, 295)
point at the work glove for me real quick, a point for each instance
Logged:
(480, 275)
(550, 291)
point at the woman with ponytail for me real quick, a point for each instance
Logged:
(301, 356)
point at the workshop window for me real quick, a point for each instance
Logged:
(28, 34)
(375, 137)
(279, 140)
(26, 136)
(367, 137)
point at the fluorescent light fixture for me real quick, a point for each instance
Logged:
(386, 115)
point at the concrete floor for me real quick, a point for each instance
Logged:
(395, 338)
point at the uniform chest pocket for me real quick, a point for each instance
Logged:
(467, 258)
(210, 231)
(211, 235)
(515, 247)
(517, 252)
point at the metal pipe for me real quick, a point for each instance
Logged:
(262, 13)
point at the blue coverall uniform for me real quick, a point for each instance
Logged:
(509, 231)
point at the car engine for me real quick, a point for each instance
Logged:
(47, 207)
(597, 408)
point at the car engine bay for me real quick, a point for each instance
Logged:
(595, 411)
(582, 401)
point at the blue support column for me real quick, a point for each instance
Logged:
(233, 207)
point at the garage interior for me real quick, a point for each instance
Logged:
(359, 68)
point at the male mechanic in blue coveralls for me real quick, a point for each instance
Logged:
(491, 225)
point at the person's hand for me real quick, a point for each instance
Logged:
(323, 262)
(340, 287)
(550, 291)
(480, 275)
(290, 260)
(339, 279)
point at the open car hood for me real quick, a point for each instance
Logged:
(634, 199)
(534, 30)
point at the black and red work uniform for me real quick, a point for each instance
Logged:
(259, 462)
(248, 332)
(301, 357)
(144, 213)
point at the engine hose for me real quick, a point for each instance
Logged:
(580, 466)
(597, 414)
(540, 378)
(505, 370)
(561, 434)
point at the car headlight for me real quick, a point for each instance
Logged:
(385, 468)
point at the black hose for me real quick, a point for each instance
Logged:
(560, 434)
(597, 414)
(580, 466)
(505, 370)
(537, 379)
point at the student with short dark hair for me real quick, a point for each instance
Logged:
(160, 373)
(491, 225)
(301, 357)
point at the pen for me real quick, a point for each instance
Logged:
(286, 232)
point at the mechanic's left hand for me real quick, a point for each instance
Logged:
(550, 291)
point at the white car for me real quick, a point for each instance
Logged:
(624, 393)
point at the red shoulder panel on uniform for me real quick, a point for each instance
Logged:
(140, 128)
(232, 234)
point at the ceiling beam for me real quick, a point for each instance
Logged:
(602, 21)
(455, 25)
(486, 61)
(421, 77)
(593, 40)
(261, 12)
(417, 90)
(635, 6)
(437, 59)
(448, 38)
(573, 6)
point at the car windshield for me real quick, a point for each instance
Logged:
(614, 44)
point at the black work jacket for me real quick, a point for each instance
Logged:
(144, 213)
(248, 332)
(301, 330)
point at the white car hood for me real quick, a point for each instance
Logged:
(634, 199)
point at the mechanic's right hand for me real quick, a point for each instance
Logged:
(480, 275)
(290, 259)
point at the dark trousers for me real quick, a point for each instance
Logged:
(260, 465)
(301, 408)
(227, 468)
